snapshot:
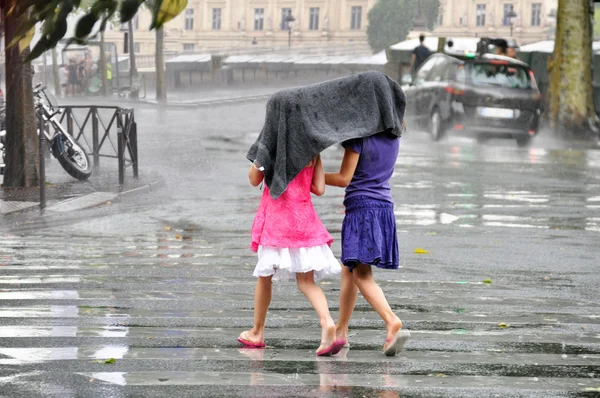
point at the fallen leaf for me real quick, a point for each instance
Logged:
(460, 310)
(431, 233)
(91, 380)
(421, 251)
(167, 228)
(111, 360)
(488, 280)
(109, 203)
(177, 236)
(503, 325)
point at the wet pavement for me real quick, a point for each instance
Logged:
(146, 296)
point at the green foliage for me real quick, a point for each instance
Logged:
(52, 14)
(431, 11)
(596, 20)
(389, 22)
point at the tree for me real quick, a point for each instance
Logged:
(20, 18)
(161, 75)
(571, 101)
(22, 162)
(56, 74)
(389, 22)
(431, 11)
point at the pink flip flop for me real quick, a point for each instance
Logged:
(333, 349)
(250, 344)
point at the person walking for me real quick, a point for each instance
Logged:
(419, 54)
(63, 74)
(369, 237)
(292, 242)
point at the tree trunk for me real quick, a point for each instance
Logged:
(571, 95)
(103, 66)
(55, 74)
(22, 162)
(132, 66)
(161, 78)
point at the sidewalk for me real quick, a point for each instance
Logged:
(65, 194)
(195, 96)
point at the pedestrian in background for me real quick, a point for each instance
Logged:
(369, 237)
(419, 54)
(63, 74)
(292, 242)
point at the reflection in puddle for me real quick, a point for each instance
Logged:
(522, 196)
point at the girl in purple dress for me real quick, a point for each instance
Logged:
(368, 231)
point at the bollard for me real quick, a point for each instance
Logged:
(134, 147)
(95, 141)
(42, 154)
(121, 156)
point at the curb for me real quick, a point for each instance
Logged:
(199, 104)
(88, 201)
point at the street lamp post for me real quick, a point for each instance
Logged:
(511, 18)
(289, 20)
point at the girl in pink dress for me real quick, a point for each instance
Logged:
(292, 242)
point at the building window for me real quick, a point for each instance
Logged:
(189, 19)
(259, 18)
(284, 13)
(313, 22)
(355, 17)
(505, 18)
(216, 23)
(480, 15)
(536, 14)
(188, 47)
(136, 47)
(136, 22)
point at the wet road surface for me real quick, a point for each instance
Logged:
(146, 297)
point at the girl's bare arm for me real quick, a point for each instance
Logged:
(344, 176)
(255, 176)
(318, 182)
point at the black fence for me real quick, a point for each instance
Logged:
(104, 132)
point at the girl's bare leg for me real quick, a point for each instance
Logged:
(363, 277)
(262, 300)
(348, 295)
(314, 294)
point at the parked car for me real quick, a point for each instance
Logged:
(478, 95)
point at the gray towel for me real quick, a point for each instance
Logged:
(302, 122)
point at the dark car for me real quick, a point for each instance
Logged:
(478, 95)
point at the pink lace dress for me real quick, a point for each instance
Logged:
(289, 236)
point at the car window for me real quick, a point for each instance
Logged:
(451, 70)
(499, 75)
(438, 70)
(424, 70)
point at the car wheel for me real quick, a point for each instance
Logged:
(435, 125)
(523, 141)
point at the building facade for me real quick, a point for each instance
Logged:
(209, 25)
(532, 20)
(224, 24)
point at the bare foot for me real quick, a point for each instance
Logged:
(392, 328)
(253, 336)
(327, 335)
(341, 333)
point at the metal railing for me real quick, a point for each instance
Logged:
(120, 122)
(96, 128)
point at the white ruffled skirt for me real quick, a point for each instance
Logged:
(284, 263)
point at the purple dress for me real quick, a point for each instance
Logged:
(369, 229)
